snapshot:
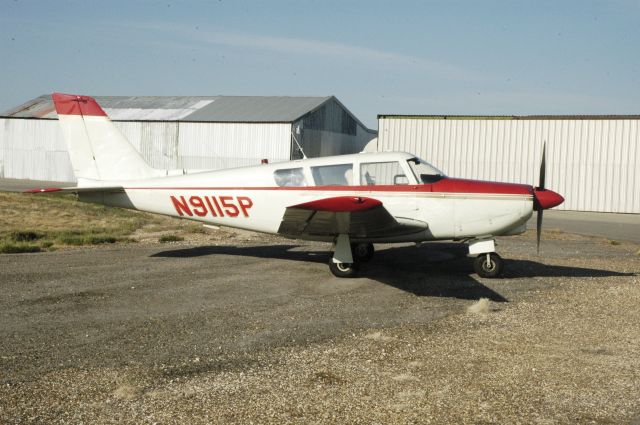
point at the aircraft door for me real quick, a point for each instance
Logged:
(389, 179)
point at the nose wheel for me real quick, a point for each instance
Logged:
(343, 269)
(488, 265)
(346, 256)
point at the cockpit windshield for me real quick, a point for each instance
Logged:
(425, 172)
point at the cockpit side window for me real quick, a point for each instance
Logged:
(333, 175)
(290, 177)
(425, 172)
(382, 173)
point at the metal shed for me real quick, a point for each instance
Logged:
(187, 132)
(593, 161)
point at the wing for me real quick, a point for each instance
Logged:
(358, 217)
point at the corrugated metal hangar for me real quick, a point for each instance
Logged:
(593, 161)
(187, 132)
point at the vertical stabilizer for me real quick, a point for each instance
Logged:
(98, 150)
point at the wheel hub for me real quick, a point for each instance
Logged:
(488, 264)
(343, 266)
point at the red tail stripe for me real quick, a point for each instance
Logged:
(71, 104)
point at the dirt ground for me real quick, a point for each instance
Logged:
(254, 329)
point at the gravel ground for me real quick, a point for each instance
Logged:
(260, 332)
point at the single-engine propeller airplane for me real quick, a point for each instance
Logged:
(353, 201)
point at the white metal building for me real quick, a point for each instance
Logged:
(593, 161)
(186, 132)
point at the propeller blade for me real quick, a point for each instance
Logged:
(537, 203)
(543, 166)
(539, 228)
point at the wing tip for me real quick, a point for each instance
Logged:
(44, 190)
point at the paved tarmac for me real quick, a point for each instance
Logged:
(616, 227)
(150, 304)
(263, 333)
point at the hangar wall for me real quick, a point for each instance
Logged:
(186, 132)
(594, 162)
(329, 130)
(35, 148)
(207, 146)
(318, 143)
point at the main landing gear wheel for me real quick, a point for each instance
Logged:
(343, 269)
(362, 251)
(488, 265)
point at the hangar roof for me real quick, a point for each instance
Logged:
(186, 108)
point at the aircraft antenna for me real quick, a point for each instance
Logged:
(297, 143)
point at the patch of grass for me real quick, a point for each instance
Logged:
(614, 243)
(196, 229)
(51, 221)
(554, 230)
(25, 235)
(20, 241)
(18, 247)
(29, 217)
(99, 239)
(76, 238)
(170, 238)
(68, 238)
(46, 244)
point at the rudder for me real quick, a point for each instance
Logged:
(97, 148)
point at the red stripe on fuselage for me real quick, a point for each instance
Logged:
(446, 185)
(479, 186)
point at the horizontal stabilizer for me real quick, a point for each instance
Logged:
(63, 190)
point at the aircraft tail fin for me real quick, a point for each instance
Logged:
(97, 148)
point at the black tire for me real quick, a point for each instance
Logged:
(362, 252)
(343, 269)
(491, 268)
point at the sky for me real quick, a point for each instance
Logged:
(377, 57)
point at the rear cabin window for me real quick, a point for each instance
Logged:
(333, 175)
(290, 177)
(382, 173)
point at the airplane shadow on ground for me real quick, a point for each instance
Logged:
(441, 270)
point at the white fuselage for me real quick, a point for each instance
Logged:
(250, 198)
